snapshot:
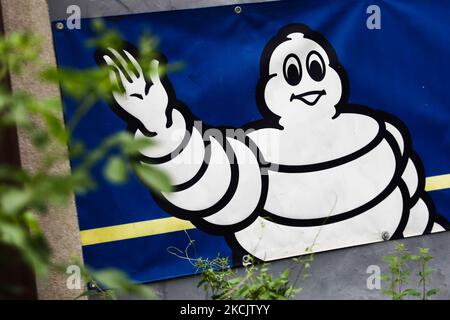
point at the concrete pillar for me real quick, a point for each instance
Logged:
(60, 225)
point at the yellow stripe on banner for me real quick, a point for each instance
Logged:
(437, 182)
(167, 225)
(133, 230)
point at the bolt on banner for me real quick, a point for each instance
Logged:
(292, 127)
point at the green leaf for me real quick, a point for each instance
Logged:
(32, 223)
(152, 177)
(12, 234)
(428, 272)
(410, 292)
(389, 292)
(134, 146)
(13, 174)
(385, 278)
(118, 281)
(56, 128)
(432, 292)
(116, 170)
(15, 200)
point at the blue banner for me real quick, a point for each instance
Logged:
(381, 72)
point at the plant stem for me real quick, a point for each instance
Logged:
(424, 293)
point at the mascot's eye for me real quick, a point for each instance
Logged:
(292, 70)
(315, 66)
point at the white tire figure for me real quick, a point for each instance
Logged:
(316, 173)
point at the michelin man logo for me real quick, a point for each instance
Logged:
(342, 175)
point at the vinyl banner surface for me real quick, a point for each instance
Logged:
(291, 126)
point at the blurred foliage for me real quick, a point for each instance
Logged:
(399, 264)
(26, 194)
(111, 284)
(220, 281)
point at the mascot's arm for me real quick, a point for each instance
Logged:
(217, 179)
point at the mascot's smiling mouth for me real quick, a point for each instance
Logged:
(310, 97)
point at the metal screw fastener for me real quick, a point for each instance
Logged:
(385, 235)
(59, 25)
(92, 286)
(237, 9)
(247, 260)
